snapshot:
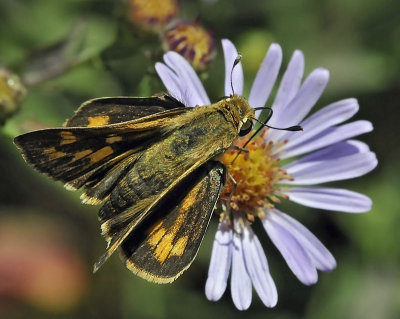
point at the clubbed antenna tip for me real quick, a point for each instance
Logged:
(236, 62)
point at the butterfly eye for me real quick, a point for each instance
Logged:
(246, 128)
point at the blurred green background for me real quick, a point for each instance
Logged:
(72, 51)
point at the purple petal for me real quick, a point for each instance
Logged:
(289, 85)
(172, 83)
(240, 280)
(330, 115)
(332, 170)
(257, 267)
(297, 258)
(344, 148)
(321, 257)
(328, 137)
(266, 77)
(304, 100)
(188, 77)
(336, 199)
(220, 263)
(230, 54)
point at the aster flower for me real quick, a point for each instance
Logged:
(322, 153)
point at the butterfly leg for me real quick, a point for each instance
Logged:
(236, 223)
(240, 149)
(228, 202)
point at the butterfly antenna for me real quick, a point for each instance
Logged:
(264, 124)
(236, 62)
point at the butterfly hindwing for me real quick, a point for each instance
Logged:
(165, 244)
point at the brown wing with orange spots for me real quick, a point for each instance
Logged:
(164, 245)
(93, 157)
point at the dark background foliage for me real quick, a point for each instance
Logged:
(71, 51)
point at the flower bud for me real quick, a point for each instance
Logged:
(152, 15)
(192, 41)
(12, 92)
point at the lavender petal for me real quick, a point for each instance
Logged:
(335, 151)
(230, 54)
(172, 83)
(289, 85)
(330, 115)
(321, 257)
(220, 262)
(196, 93)
(328, 137)
(266, 77)
(297, 258)
(257, 266)
(335, 199)
(240, 280)
(345, 167)
(304, 100)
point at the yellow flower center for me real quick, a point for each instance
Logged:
(256, 174)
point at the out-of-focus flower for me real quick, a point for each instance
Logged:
(12, 92)
(322, 153)
(38, 267)
(192, 41)
(153, 15)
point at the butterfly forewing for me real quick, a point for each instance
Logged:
(82, 156)
(111, 110)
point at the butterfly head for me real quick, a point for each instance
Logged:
(239, 110)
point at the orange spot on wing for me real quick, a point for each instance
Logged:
(156, 237)
(163, 248)
(113, 139)
(82, 154)
(98, 120)
(188, 202)
(101, 154)
(164, 240)
(67, 137)
(180, 246)
(52, 153)
(166, 248)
